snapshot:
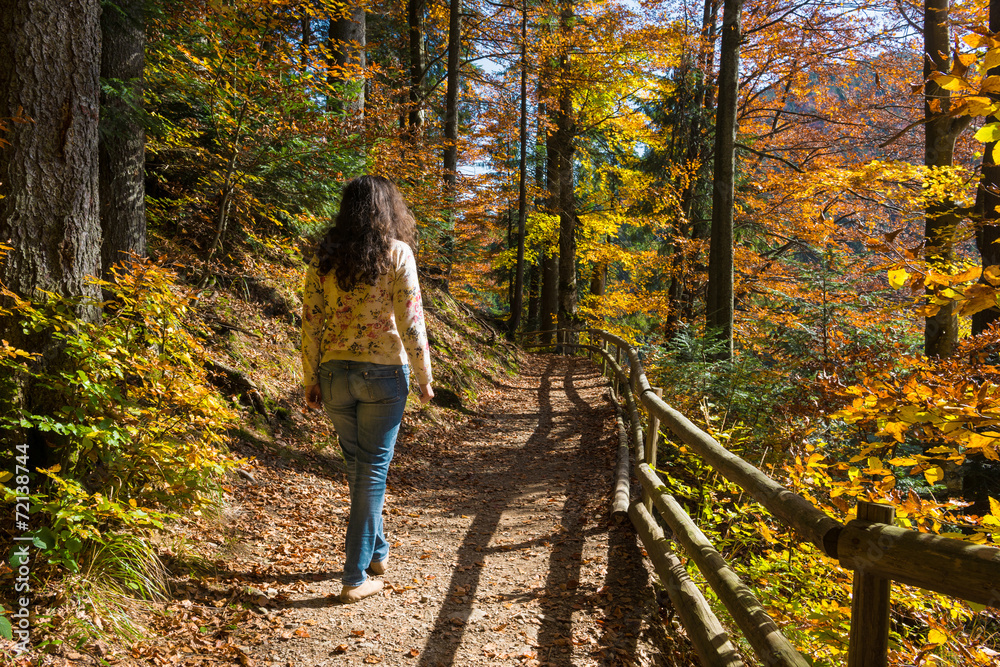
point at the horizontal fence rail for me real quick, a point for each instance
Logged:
(875, 550)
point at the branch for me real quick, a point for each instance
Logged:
(771, 157)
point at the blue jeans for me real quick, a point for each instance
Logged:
(365, 402)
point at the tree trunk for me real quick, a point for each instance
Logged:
(451, 97)
(415, 23)
(226, 198)
(599, 279)
(122, 138)
(346, 43)
(987, 201)
(49, 192)
(710, 15)
(522, 185)
(306, 42)
(49, 73)
(550, 255)
(719, 302)
(940, 133)
(533, 297)
(565, 130)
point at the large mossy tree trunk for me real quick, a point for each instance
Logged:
(122, 144)
(719, 301)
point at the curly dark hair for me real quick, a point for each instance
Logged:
(356, 248)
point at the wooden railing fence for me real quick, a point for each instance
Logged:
(878, 552)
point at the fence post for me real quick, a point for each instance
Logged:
(652, 433)
(618, 361)
(869, 637)
(604, 361)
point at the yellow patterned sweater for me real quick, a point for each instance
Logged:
(381, 323)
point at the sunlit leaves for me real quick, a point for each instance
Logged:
(138, 418)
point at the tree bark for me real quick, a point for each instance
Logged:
(987, 201)
(719, 302)
(940, 133)
(565, 130)
(122, 137)
(550, 255)
(49, 73)
(599, 279)
(451, 97)
(346, 43)
(534, 301)
(522, 185)
(415, 23)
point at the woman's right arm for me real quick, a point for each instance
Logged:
(409, 314)
(313, 324)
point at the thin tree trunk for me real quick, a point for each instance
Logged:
(451, 126)
(304, 45)
(550, 256)
(599, 279)
(533, 297)
(987, 201)
(415, 23)
(451, 97)
(122, 138)
(940, 133)
(719, 301)
(228, 187)
(522, 185)
(565, 131)
(346, 43)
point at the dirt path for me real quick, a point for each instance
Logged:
(502, 547)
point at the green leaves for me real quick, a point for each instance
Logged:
(136, 416)
(6, 631)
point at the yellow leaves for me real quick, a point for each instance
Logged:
(814, 460)
(991, 521)
(950, 82)
(902, 461)
(937, 637)
(986, 443)
(933, 475)
(990, 85)
(898, 277)
(988, 133)
(875, 466)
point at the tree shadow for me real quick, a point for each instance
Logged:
(534, 459)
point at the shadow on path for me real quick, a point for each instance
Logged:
(567, 457)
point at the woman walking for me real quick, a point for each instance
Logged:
(362, 324)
